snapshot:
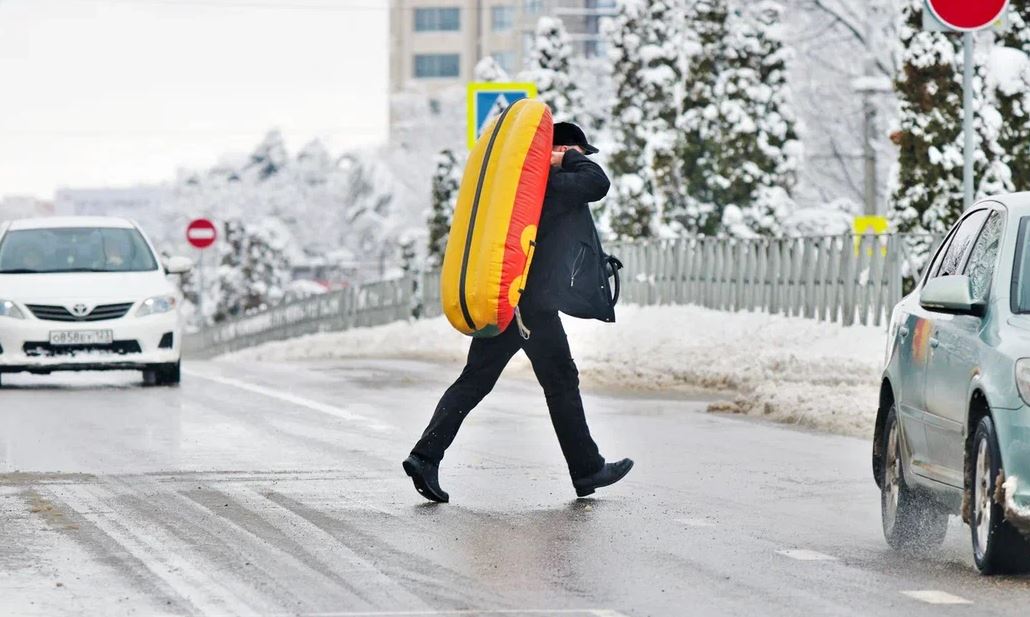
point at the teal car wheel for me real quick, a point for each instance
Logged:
(997, 547)
(911, 521)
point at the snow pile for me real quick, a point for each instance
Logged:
(788, 369)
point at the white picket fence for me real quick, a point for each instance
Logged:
(844, 279)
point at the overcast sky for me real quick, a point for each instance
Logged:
(117, 92)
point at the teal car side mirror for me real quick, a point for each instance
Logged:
(951, 294)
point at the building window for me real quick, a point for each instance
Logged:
(505, 60)
(438, 19)
(533, 7)
(437, 65)
(502, 17)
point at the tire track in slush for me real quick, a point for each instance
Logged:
(164, 556)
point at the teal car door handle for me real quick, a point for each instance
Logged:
(934, 343)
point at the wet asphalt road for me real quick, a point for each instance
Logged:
(277, 490)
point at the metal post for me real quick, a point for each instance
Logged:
(869, 154)
(200, 286)
(967, 121)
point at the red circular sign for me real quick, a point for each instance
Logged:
(968, 15)
(201, 233)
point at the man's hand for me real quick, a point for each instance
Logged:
(558, 154)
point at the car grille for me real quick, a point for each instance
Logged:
(43, 349)
(102, 312)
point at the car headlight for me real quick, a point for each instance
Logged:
(9, 309)
(1023, 379)
(156, 306)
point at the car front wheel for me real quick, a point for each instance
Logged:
(162, 375)
(997, 546)
(911, 520)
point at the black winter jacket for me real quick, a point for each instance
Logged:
(568, 272)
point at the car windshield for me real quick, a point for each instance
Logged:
(74, 249)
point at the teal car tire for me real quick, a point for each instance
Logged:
(911, 520)
(998, 548)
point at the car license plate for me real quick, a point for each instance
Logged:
(81, 337)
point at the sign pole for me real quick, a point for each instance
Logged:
(200, 284)
(967, 121)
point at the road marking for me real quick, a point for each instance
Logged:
(803, 555)
(931, 596)
(293, 399)
(695, 522)
(586, 612)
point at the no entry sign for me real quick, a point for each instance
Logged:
(201, 233)
(968, 15)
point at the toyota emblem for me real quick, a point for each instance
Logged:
(80, 310)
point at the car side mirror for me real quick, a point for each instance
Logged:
(951, 294)
(178, 265)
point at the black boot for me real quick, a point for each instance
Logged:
(424, 475)
(608, 475)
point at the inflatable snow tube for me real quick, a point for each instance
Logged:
(493, 232)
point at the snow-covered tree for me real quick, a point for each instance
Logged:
(550, 67)
(253, 269)
(702, 211)
(928, 194)
(488, 69)
(446, 182)
(1009, 70)
(647, 82)
(759, 151)
(742, 151)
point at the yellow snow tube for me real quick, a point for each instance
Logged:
(493, 231)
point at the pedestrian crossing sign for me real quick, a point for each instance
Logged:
(486, 101)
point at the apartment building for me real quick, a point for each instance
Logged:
(436, 44)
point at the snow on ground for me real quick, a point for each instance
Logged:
(792, 370)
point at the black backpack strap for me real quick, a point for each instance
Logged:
(614, 265)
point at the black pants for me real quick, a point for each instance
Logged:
(548, 350)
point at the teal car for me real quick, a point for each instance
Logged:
(952, 430)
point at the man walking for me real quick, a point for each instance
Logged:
(565, 226)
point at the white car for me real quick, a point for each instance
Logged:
(87, 293)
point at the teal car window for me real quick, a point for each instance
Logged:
(961, 244)
(984, 256)
(1020, 294)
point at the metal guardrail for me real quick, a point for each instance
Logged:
(372, 304)
(846, 279)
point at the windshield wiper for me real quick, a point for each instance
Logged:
(20, 271)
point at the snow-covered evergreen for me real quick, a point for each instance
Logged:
(703, 211)
(488, 69)
(1009, 76)
(647, 76)
(928, 196)
(446, 182)
(743, 153)
(549, 67)
(253, 269)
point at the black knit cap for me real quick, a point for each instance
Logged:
(568, 134)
